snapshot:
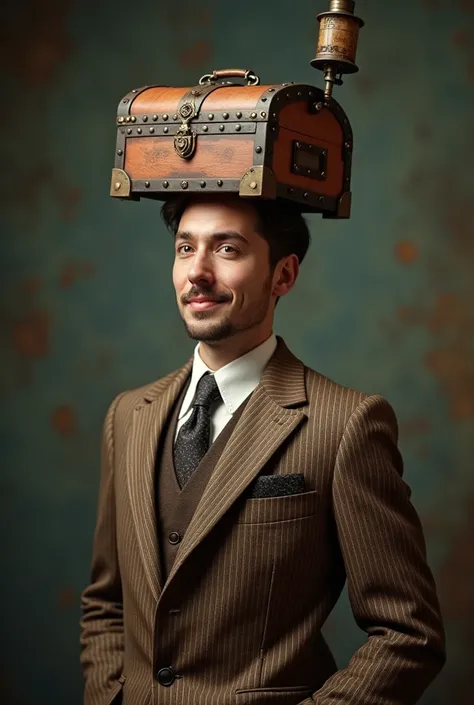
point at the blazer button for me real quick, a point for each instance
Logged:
(166, 676)
(174, 537)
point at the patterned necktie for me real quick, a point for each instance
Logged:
(193, 438)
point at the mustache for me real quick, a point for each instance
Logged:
(213, 296)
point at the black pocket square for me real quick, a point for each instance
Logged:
(276, 486)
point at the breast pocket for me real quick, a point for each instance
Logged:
(276, 509)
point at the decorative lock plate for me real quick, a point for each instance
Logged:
(185, 138)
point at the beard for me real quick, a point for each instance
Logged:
(217, 331)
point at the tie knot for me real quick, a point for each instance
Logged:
(207, 391)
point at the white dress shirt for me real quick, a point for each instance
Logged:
(236, 381)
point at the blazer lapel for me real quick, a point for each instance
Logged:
(266, 423)
(148, 422)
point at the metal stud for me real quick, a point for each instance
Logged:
(323, 173)
(219, 182)
(222, 128)
(253, 185)
(299, 94)
(166, 129)
(211, 116)
(121, 119)
(125, 100)
(239, 115)
(184, 184)
(147, 184)
(175, 116)
(134, 90)
(306, 194)
(321, 199)
(128, 118)
(253, 115)
(202, 184)
(264, 99)
(263, 114)
(152, 129)
(155, 118)
(271, 90)
(165, 117)
(129, 131)
(139, 130)
(133, 118)
(165, 184)
(225, 115)
(205, 128)
(117, 185)
(258, 149)
(119, 152)
(145, 118)
(238, 127)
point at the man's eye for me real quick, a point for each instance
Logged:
(184, 249)
(227, 249)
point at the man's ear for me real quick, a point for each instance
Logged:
(285, 275)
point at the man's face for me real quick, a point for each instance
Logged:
(221, 274)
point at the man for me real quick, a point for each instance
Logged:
(237, 496)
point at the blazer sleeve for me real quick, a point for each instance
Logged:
(102, 633)
(391, 588)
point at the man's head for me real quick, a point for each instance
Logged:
(233, 260)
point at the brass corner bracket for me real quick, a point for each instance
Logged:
(258, 181)
(120, 184)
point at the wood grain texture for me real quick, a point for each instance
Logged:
(166, 99)
(215, 157)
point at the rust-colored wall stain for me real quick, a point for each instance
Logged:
(411, 428)
(30, 335)
(39, 42)
(73, 271)
(406, 252)
(30, 286)
(27, 186)
(67, 598)
(365, 86)
(462, 38)
(443, 192)
(68, 198)
(453, 368)
(204, 17)
(197, 54)
(63, 420)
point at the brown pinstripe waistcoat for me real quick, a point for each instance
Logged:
(239, 615)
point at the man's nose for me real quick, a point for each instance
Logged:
(200, 269)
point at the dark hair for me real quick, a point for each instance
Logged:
(279, 222)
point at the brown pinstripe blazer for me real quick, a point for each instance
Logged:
(254, 580)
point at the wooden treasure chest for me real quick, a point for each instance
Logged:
(258, 141)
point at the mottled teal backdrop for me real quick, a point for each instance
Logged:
(385, 302)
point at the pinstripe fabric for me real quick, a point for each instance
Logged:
(240, 614)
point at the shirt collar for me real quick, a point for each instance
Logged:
(236, 380)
